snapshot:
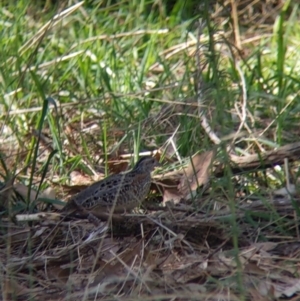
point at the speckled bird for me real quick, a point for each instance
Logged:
(118, 193)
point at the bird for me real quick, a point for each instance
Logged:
(117, 193)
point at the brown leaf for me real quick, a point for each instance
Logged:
(56, 272)
(266, 246)
(254, 269)
(197, 173)
(23, 191)
(116, 265)
(289, 288)
(171, 192)
(48, 193)
(12, 288)
(257, 295)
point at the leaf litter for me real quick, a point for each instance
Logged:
(174, 251)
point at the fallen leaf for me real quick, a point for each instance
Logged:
(22, 190)
(266, 246)
(11, 288)
(292, 287)
(171, 194)
(48, 193)
(197, 173)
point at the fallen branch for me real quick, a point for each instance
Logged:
(265, 160)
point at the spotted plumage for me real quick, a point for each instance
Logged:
(118, 193)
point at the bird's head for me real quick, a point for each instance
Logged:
(146, 164)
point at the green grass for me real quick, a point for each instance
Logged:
(96, 62)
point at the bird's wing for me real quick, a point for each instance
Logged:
(105, 192)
